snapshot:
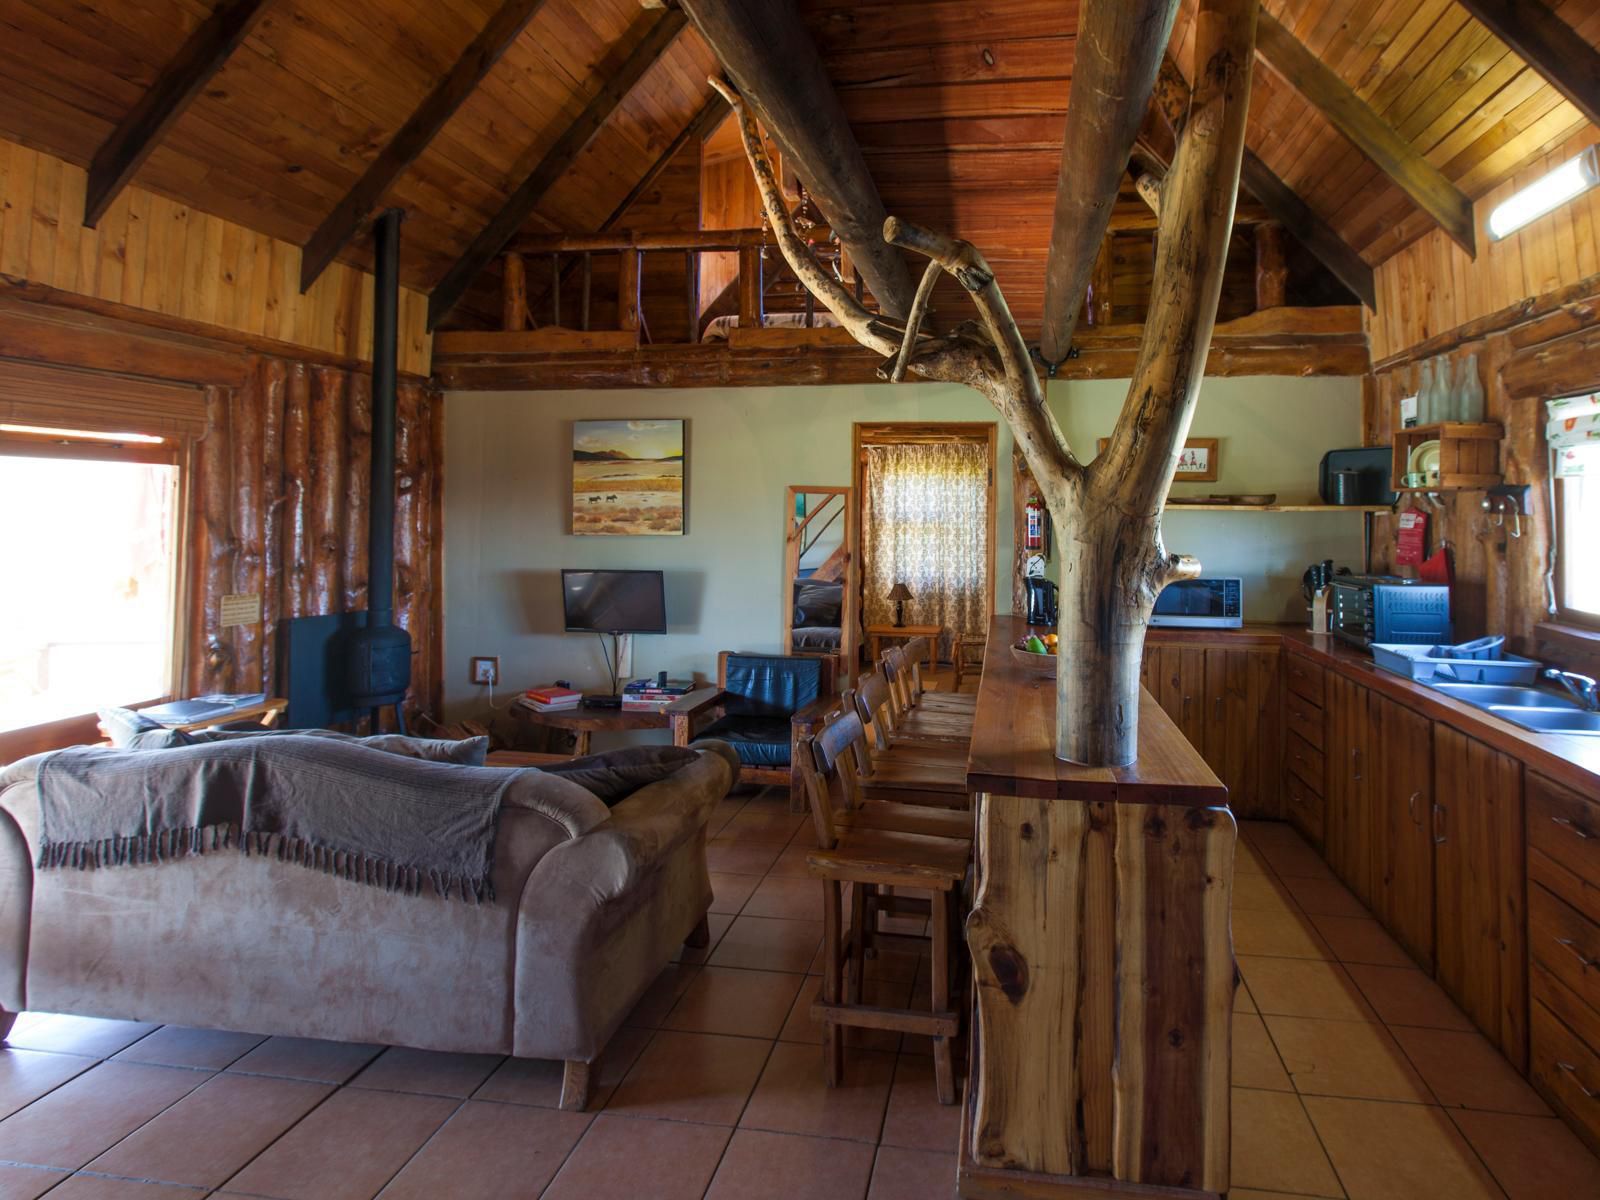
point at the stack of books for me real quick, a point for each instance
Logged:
(552, 698)
(651, 693)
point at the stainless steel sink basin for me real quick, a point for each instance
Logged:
(1551, 720)
(1499, 695)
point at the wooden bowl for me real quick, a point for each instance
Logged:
(1038, 664)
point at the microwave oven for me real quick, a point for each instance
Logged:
(1364, 609)
(1216, 603)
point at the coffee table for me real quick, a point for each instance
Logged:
(581, 722)
(877, 633)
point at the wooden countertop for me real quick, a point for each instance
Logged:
(1013, 742)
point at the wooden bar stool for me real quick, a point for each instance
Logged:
(915, 722)
(920, 697)
(869, 854)
(929, 769)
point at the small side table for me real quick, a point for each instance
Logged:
(877, 633)
(581, 722)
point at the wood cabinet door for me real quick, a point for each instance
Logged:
(1243, 723)
(1348, 839)
(1401, 791)
(1176, 677)
(1480, 887)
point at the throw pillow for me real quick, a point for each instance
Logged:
(123, 725)
(617, 774)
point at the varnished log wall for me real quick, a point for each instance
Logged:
(280, 497)
(155, 254)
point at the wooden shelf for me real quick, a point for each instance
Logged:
(1469, 454)
(1278, 508)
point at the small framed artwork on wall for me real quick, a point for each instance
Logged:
(628, 477)
(1197, 463)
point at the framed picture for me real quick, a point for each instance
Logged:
(1197, 463)
(627, 477)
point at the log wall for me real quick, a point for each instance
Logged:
(155, 254)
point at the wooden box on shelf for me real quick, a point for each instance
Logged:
(1469, 454)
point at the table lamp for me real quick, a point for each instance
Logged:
(900, 593)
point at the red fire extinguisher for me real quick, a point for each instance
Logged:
(1034, 539)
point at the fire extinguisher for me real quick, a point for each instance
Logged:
(1034, 539)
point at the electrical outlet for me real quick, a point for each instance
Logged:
(486, 670)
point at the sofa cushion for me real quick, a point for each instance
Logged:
(758, 741)
(617, 774)
(771, 685)
(124, 726)
(467, 752)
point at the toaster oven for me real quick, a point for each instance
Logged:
(1384, 608)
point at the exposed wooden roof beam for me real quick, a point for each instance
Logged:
(775, 65)
(199, 58)
(1119, 49)
(516, 210)
(1371, 134)
(1549, 45)
(340, 225)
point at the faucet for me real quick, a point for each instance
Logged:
(1583, 689)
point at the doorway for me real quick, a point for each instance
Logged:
(925, 494)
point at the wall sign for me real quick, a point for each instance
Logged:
(241, 608)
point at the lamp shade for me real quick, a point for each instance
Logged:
(900, 592)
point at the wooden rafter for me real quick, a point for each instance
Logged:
(1549, 45)
(340, 225)
(1371, 134)
(199, 58)
(516, 210)
(771, 58)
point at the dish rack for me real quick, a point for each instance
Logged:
(1482, 661)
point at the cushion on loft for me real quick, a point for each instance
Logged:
(817, 602)
(617, 774)
(758, 741)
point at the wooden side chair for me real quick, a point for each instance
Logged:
(866, 849)
(928, 769)
(968, 647)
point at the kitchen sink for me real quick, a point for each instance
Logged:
(1550, 720)
(1499, 695)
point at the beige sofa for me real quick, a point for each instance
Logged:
(591, 904)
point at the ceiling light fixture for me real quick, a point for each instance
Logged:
(1567, 182)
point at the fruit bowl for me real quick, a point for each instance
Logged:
(1039, 664)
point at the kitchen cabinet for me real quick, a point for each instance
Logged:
(1400, 798)
(1480, 934)
(1348, 839)
(1305, 774)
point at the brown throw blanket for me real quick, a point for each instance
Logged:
(339, 807)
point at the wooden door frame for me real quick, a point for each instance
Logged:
(868, 433)
(848, 639)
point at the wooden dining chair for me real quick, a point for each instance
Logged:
(914, 722)
(935, 701)
(929, 769)
(865, 853)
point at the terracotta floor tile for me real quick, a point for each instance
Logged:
(729, 892)
(537, 1081)
(699, 1077)
(725, 811)
(177, 1046)
(1345, 1058)
(213, 1131)
(1260, 892)
(915, 1119)
(768, 825)
(95, 1110)
(1255, 1059)
(783, 1166)
(1532, 1158)
(1275, 1148)
(1255, 1194)
(1304, 987)
(429, 1072)
(745, 1003)
(716, 924)
(1242, 1000)
(792, 899)
(887, 993)
(1398, 1151)
(625, 1159)
(1247, 862)
(1464, 1071)
(1279, 934)
(900, 1174)
(1324, 897)
(93, 1187)
(1294, 860)
(88, 1036)
(768, 944)
(660, 996)
(307, 1058)
(793, 1096)
(791, 864)
(347, 1149)
(728, 857)
(27, 1183)
(1405, 996)
(1361, 940)
(490, 1152)
(25, 1075)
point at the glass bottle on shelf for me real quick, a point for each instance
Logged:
(1449, 403)
(1425, 393)
(1473, 402)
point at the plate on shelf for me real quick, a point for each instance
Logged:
(1424, 460)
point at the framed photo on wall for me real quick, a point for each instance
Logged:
(627, 477)
(1197, 463)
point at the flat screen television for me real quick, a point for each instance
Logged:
(614, 601)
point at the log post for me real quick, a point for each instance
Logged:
(296, 572)
(1272, 270)
(751, 315)
(210, 655)
(274, 375)
(249, 556)
(514, 294)
(329, 446)
(357, 491)
(628, 290)
(691, 274)
(588, 280)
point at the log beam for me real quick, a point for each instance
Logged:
(1549, 45)
(1371, 134)
(199, 58)
(775, 65)
(459, 82)
(1272, 271)
(493, 237)
(1119, 48)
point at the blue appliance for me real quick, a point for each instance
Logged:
(1391, 610)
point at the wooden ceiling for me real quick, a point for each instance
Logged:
(958, 106)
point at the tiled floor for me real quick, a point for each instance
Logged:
(1353, 1076)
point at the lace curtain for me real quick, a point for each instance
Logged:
(927, 525)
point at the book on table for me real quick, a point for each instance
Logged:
(552, 698)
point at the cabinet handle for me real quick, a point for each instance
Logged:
(1216, 709)
(1411, 807)
(1573, 1071)
(1573, 827)
(1572, 946)
(1355, 758)
(1439, 836)
(1186, 708)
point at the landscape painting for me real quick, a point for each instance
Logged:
(627, 477)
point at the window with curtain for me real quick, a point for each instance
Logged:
(926, 524)
(1573, 432)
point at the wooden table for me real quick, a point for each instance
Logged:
(1102, 956)
(877, 633)
(581, 722)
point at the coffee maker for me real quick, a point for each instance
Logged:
(1041, 597)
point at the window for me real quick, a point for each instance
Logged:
(89, 542)
(1573, 433)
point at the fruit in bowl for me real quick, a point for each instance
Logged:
(1036, 654)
